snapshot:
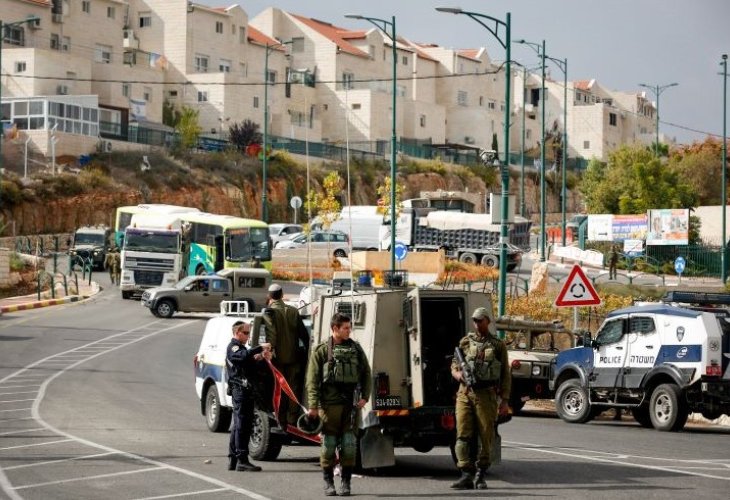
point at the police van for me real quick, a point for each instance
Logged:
(661, 361)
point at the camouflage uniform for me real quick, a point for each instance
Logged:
(113, 264)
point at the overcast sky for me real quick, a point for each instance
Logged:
(620, 43)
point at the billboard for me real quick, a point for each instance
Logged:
(607, 227)
(668, 226)
(599, 227)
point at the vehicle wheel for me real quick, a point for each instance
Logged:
(126, 295)
(572, 402)
(489, 260)
(263, 445)
(164, 309)
(217, 418)
(667, 410)
(340, 253)
(200, 271)
(641, 415)
(468, 258)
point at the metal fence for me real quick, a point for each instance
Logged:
(700, 260)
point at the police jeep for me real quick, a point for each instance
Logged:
(211, 383)
(661, 362)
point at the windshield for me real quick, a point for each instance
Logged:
(89, 239)
(246, 243)
(151, 241)
(185, 282)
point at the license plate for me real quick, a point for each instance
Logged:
(388, 402)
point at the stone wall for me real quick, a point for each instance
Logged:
(4, 267)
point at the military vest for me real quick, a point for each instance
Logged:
(343, 363)
(483, 360)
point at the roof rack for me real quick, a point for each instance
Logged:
(699, 298)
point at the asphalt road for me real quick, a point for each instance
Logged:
(97, 400)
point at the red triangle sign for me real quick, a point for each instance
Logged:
(577, 291)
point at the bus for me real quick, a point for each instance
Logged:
(124, 216)
(223, 241)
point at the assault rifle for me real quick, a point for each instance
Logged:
(466, 374)
(356, 395)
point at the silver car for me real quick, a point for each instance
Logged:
(335, 242)
(281, 232)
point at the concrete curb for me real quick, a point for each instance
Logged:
(40, 303)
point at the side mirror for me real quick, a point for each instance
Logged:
(188, 288)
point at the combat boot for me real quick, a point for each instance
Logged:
(232, 461)
(329, 482)
(245, 466)
(346, 478)
(480, 483)
(465, 482)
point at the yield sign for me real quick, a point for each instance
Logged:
(577, 291)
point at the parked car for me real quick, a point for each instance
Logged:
(336, 242)
(205, 293)
(90, 244)
(280, 231)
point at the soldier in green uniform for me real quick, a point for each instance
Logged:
(477, 405)
(112, 262)
(338, 385)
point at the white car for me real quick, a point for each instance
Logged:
(336, 242)
(281, 232)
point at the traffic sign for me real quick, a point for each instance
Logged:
(577, 291)
(295, 202)
(679, 264)
(400, 251)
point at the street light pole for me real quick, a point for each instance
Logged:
(562, 64)
(723, 201)
(522, 147)
(382, 25)
(506, 42)
(657, 90)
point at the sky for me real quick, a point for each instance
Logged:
(620, 43)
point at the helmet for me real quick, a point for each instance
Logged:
(309, 425)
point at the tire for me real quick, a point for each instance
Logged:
(339, 253)
(126, 295)
(572, 402)
(468, 258)
(489, 260)
(641, 415)
(263, 445)
(200, 271)
(217, 418)
(164, 309)
(667, 410)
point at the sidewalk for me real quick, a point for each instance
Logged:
(25, 302)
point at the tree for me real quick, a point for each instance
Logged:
(325, 205)
(170, 114)
(188, 127)
(383, 193)
(700, 165)
(243, 134)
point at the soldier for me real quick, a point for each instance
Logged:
(612, 261)
(338, 385)
(485, 357)
(241, 366)
(289, 341)
(112, 262)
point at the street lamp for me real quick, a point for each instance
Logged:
(562, 64)
(3, 27)
(505, 41)
(723, 260)
(383, 25)
(264, 201)
(540, 49)
(657, 90)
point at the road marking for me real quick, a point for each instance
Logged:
(17, 400)
(13, 393)
(17, 409)
(47, 462)
(87, 478)
(22, 431)
(35, 444)
(178, 495)
(20, 386)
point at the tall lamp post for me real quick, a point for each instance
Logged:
(723, 260)
(657, 90)
(522, 146)
(3, 27)
(562, 64)
(506, 41)
(383, 26)
(264, 196)
(540, 49)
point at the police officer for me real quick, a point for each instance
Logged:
(112, 262)
(338, 385)
(476, 406)
(241, 365)
(289, 341)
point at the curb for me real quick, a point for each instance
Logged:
(39, 303)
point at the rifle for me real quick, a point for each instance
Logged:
(356, 395)
(466, 375)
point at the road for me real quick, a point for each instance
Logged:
(97, 401)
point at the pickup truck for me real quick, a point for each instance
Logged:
(204, 293)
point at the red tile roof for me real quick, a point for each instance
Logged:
(469, 53)
(258, 37)
(336, 34)
(583, 84)
(45, 3)
(415, 47)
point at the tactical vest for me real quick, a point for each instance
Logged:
(482, 359)
(343, 364)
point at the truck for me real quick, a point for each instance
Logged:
(361, 222)
(660, 361)
(467, 237)
(153, 252)
(90, 244)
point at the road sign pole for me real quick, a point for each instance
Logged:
(575, 318)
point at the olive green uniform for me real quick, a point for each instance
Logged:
(112, 262)
(476, 407)
(333, 373)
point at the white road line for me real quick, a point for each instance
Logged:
(544, 449)
(19, 386)
(47, 462)
(22, 431)
(13, 393)
(17, 400)
(35, 444)
(15, 419)
(186, 494)
(87, 478)
(17, 409)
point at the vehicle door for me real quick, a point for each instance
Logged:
(196, 295)
(609, 354)
(412, 323)
(219, 290)
(642, 347)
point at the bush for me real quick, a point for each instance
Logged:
(94, 178)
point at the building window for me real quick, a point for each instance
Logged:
(297, 118)
(612, 119)
(103, 54)
(147, 94)
(172, 94)
(371, 51)
(481, 101)
(111, 12)
(224, 66)
(14, 35)
(461, 98)
(242, 67)
(219, 27)
(55, 42)
(347, 80)
(405, 60)
(126, 90)
(297, 44)
(501, 106)
(492, 105)
(65, 43)
(202, 96)
(356, 105)
(255, 102)
(422, 120)
(145, 20)
(86, 6)
(586, 144)
(201, 63)
(325, 107)
(271, 77)
(241, 34)
(528, 134)
(20, 66)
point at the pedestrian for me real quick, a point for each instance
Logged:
(289, 340)
(477, 407)
(338, 386)
(241, 366)
(612, 261)
(112, 262)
